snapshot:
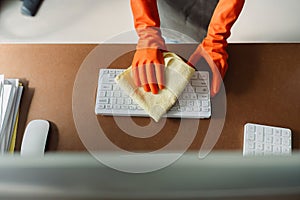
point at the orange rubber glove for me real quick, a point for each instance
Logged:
(148, 61)
(215, 43)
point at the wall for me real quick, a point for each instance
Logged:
(94, 21)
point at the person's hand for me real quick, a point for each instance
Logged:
(213, 47)
(216, 71)
(148, 69)
(148, 61)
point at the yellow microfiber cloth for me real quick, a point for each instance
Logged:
(177, 76)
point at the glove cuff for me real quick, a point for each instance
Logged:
(215, 43)
(217, 53)
(150, 37)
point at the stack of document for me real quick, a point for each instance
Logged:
(10, 96)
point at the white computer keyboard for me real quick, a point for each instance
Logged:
(266, 140)
(193, 103)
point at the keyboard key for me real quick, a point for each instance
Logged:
(182, 109)
(203, 96)
(124, 107)
(120, 101)
(269, 139)
(113, 101)
(277, 141)
(109, 93)
(101, 106)
(190, 89)
(205, 103)
(109, 80)
(286, 150)
(117, 94)
(195, 76)
(119, 71)
(251, 144)
(204, 76)
(286, 141)
(198, 83)
(128, 101)
(260, 135)
(131, 107)
(251, 128)
(251, 152)
(194, 96)
(277, 149)
(268, 131)
(102, 94)
(259, 152)
(103, 101)
(116, 87)
(205, 109)
(268, 148)
(188, 109)
(108, 106)
(116, 107)
(196, 109)
(260, 146)
(174, 108)
(202, 90)
(286, 133)
(277, 132)
(106, 87)
(124, 95)
(112, 76)
(190, 103)
(251, 136)
(182, 102)
(186, 96)
(260, 130)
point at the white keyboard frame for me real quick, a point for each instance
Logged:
(266, 140)
(200, 81)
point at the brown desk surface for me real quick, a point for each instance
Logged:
(262, 86)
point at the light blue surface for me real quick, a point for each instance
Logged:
(219, 175)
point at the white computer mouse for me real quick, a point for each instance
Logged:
(35, 138)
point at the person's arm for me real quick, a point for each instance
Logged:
(148, 61)
(215, 43)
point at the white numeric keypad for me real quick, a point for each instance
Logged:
(266, 140)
